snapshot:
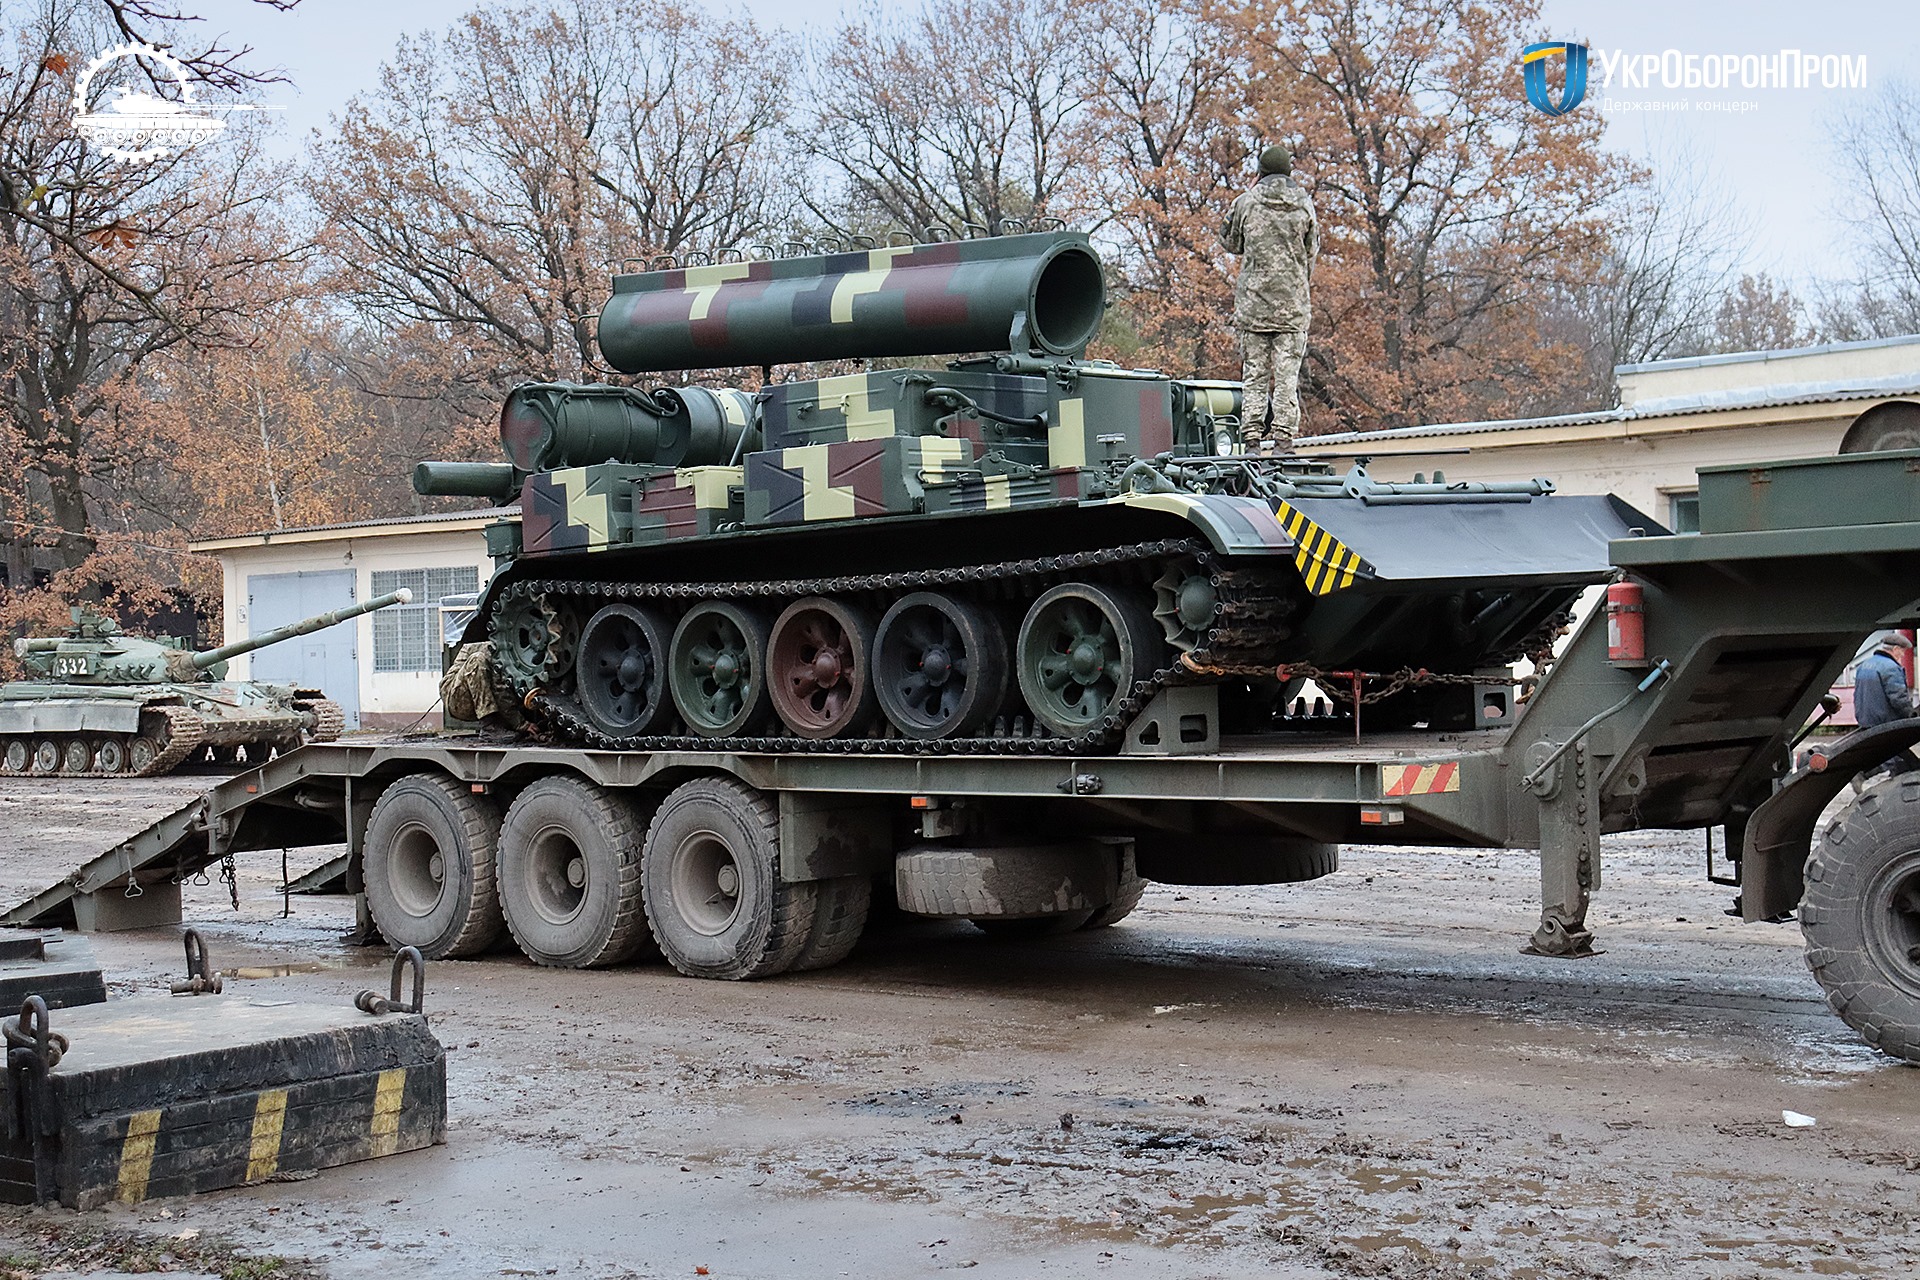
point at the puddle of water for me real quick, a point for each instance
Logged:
(283, 970)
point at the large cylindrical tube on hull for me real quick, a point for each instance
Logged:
(545, 426)
(1031, 293)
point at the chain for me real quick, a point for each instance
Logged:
(1396, 681)
(1243, 625)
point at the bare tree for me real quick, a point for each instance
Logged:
(103, 266)
(967, 112)
(1878, 148)
(1675, 252)
(505, 165)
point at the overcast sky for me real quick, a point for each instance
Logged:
(1772, 161)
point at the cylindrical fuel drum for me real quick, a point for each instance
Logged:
(545, 426)
(905, 300)
(1626, 625)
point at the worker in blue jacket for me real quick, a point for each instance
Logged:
(1881, 695)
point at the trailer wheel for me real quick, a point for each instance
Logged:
(1861, 916)
(570, 875)
(710, 877)
(429, 864)
(1132, 887)
(839, 916)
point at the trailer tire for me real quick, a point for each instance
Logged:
(710, 878)
(422, 820)
(570, 875)
(1861, 916)
(1035, 889)
(839, 916)
(1132, 887)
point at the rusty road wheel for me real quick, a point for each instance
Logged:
(819, 661)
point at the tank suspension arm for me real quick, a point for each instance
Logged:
(212, 656)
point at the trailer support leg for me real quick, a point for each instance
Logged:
(1569, 856)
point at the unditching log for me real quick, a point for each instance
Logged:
(136, 1099)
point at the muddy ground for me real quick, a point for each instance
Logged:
(1357, 1077)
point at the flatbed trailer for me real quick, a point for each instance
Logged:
(743, 863)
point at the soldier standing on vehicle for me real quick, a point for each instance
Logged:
(1273, 229)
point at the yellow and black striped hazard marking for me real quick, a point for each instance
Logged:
(206, 1144)
(1327, 564)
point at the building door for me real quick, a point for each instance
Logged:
(326, 660)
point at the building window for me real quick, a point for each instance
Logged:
(1683, 511)
(406, 637)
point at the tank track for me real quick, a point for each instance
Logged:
(329, 721)
(1250, 621)
(186, 733)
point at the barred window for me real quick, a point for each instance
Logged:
(406, 637)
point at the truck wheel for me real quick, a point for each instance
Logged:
(1861, 916)
(1132, 886)
(839, 917)
(429, 864)
(1018, 890)
(570, 875)
(710, 876)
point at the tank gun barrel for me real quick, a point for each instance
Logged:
(35, 644)
(202, 661)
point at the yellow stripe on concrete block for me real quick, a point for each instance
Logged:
(269, 1127)
(386, 1111)
(136, 1156)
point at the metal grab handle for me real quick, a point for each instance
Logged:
(201, 980)
(407, 960)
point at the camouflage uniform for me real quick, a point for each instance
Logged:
(1273, 228)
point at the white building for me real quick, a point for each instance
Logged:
(384, 667)
(1676, 416)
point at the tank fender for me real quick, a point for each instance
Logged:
(75, 715)
(1780, 832)
(1234, 526)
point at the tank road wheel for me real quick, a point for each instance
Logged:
(718, 669)
(16, 756)
(570, 874)
(1184, 604)
(820, 666)
(431, 849)
(623, 652)
(46, 756)
(1081, 650)
(141, 753)
(111, 753)
(710, 875)
(939, 665)
(1861, 916)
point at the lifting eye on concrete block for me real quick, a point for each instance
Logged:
(406, 961)
(201, 980)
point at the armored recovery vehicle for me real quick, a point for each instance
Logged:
(101, 703)
(1023, 552)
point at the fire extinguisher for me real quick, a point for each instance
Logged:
(1626, 625)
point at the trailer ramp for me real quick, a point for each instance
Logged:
(281, 804)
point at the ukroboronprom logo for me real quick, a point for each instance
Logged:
(1533, 69)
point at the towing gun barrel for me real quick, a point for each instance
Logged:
(201, 661)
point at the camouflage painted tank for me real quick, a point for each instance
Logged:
(102, 703)
(1024, 551)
